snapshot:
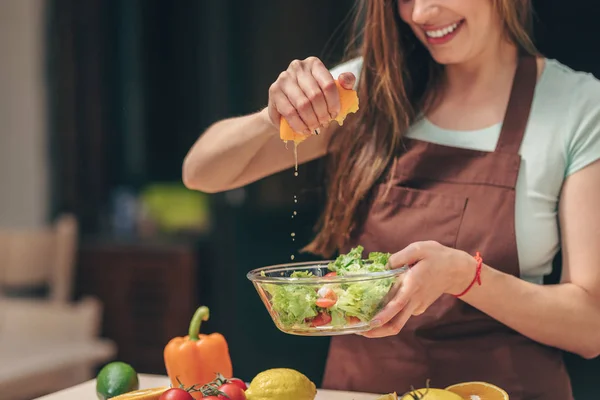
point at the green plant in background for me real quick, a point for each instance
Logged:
(173, 207)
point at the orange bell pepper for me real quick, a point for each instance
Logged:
(195, 360)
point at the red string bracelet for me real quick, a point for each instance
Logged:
(477, 277)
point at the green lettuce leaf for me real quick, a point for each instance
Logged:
(293, 303)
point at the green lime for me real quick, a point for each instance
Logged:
(114, 379)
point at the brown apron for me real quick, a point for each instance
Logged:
(463, 199)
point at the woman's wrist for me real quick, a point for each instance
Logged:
(264, 116)
(463, 272)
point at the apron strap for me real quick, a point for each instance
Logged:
(519, 106)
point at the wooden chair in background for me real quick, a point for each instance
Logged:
(47, 341)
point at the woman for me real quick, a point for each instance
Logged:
(467, 140)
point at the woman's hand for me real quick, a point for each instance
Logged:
(306, 95)
(435, 270)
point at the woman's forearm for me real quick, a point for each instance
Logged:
(563, 316)
(222, 153)
(238, 151)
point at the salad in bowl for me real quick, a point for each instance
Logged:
(327, 298)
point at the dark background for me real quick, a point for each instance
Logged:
(135, 82)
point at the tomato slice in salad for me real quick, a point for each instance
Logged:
(327, 298)
(325, 303)
(327, 293)
(321, 319)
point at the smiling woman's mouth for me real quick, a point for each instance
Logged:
(443, 34)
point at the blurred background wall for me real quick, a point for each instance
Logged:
(99, 102)
(23, 114)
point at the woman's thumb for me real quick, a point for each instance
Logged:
(347, 80)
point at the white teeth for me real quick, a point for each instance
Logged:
(442, 32)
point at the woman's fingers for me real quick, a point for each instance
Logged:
(328, 87)
(306, 95)
(288, 84)
(347, 80)
(393, 326)
(397, 304)
(312, 91)
(411, 254)
(421, 286)
(280, 105)
(409, 299)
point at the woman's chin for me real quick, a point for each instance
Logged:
(447, 59)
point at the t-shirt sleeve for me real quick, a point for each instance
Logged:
(354, 65)
(583, 146)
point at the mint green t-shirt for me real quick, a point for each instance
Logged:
(562, 137)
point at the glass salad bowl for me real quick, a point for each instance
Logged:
(327, 298)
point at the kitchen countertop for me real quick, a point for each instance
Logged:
(87, 390)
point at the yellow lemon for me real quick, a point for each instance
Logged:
(431, 394)
(281, 383)
(391, 396)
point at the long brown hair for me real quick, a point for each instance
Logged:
(398, 82)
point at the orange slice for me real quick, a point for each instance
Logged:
(478, 391)
(143, 394)
(348, 104)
